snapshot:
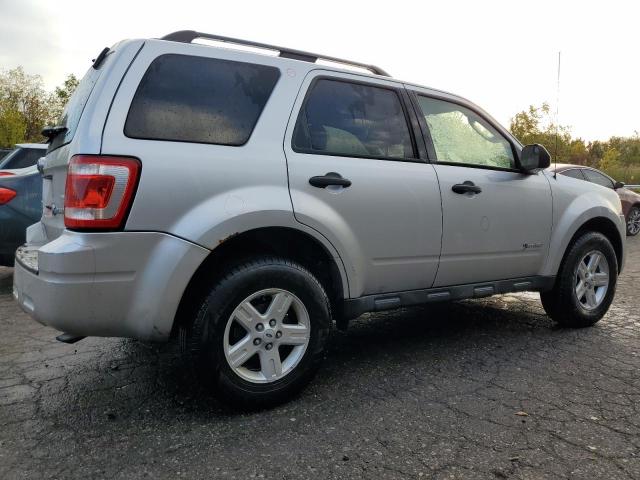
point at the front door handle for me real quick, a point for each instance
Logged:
(331, 178)
(466, 187)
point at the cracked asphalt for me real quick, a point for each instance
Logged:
(476, 389)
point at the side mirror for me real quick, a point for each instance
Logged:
(534, 157)
(618, 185)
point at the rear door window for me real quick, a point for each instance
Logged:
(351, 119)
(186, 98)
(599, 178)
(21, 158)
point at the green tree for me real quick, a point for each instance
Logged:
(61, 96)
(26, 107)
(24, 94)
(610, 160)
(578, 153)
(13, 127)
(536, 125)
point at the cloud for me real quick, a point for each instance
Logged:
(27, 37)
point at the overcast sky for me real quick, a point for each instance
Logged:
(500, 54)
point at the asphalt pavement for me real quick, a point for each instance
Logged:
(476, 389)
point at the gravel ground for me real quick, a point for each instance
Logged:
(475, 389)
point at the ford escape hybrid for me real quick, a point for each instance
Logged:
(244, 202)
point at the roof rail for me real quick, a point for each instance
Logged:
(188, 36)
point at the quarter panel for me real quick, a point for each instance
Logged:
(575, 202)
(190, 189)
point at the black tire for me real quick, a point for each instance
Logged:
(561, 303)
(634, 211)
(205, 333)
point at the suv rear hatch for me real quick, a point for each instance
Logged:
(54, 168)
(79, 130)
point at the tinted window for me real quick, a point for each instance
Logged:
(461, 136)
(597, 177)
(343, 118)
(22, 158)
(72, 112)
(203, 100)
(573, 173)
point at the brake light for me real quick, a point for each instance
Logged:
(6, 174)
(99, 191)
(6, 195)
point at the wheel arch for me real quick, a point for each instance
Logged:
(606, 227)
(287, 242)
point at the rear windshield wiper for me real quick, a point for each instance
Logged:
(53, 132)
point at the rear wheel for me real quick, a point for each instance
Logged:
(260, 334)
(633, 222)
(586, 283)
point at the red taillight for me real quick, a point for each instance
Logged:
(6, 174)
(6, 195)
(99, 191)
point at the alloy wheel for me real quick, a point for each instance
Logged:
(633, 223)
(592, 280)
(267, 335)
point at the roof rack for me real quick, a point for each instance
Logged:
(188, 36)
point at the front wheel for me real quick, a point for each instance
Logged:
(633, 222)
(586, 283)
(260, 334)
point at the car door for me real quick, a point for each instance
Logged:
(496, 219)
(356, 176)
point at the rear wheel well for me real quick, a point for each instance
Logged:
(280, 241)
(608, 229)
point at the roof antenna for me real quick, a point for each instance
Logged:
(555, 155)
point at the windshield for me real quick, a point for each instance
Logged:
(21, 158)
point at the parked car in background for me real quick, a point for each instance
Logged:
(23, 156)
(4, 152)
(20, 196)
(243, 202)
(630, 199)
(20, 206)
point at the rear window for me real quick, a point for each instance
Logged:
(21, 158)
(201, 100)
(71, 114)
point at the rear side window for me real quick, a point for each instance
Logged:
(71, 114)
(355, 120)
(201, 100)
(22, 158)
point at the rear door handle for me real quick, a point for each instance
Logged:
(331, 178)
(466, 187)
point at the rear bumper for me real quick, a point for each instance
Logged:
(123, 284)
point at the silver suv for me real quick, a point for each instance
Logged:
(244, 201)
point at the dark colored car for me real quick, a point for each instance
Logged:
(630, 199)
(23, 156)
(20, 206)
(20, 196)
